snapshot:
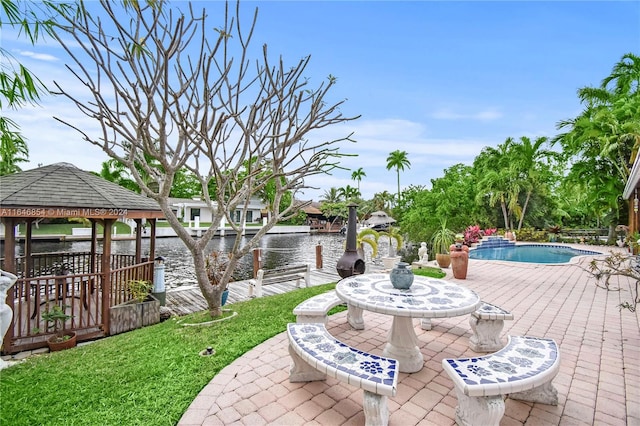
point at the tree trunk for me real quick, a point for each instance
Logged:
(524, 210)
(505, 214)
(212, 294)
(611, 238)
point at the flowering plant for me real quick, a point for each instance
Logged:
(490, 231)
(473, 234)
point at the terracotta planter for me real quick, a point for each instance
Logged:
(459, 260)
(58, 345)
(444, 260)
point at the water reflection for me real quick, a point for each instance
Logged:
(278, 250)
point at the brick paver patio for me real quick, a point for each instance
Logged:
(598, 382)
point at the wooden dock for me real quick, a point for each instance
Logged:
(187, 300)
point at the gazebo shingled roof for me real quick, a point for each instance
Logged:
(63, 190)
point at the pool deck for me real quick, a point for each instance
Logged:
(598, 382)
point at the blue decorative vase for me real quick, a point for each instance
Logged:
(401, 277)
(225, 295)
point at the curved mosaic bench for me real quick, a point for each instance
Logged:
(316, 354)
(315, 308)
(486, 324)
(522, 370)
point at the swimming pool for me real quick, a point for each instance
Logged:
(531, 253)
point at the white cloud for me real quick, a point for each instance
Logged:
(489, 114)
(38, 56)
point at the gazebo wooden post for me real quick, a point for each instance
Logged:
(9, 244)
(138, 241)
(152, 242)
(94, 246)
(106, 273)
(9, 266)
(28, 261)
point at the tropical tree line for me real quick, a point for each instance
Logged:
(574, 179)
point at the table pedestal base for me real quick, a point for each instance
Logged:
(403, 346)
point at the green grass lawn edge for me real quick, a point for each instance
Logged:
(144, 377)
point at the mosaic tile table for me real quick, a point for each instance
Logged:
(427, 298)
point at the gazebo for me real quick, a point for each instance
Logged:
(379, 220)
(86, 285)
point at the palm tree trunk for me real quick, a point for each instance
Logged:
(505, 214)
(524, 209)
(398, 173)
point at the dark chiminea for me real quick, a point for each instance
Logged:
(350, 263)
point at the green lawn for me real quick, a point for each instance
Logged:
(430, 271)
(144, 377)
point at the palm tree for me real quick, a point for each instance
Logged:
(116, 172)
(357, 175)
(13, 149)
(331, 196)
(607, 132)
(398, 160)
(498, 179)
(348, 193)
(529, 160)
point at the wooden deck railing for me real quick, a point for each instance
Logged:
(43, 264)
(80, 295)
(120, 277)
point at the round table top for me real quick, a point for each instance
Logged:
(426, 298)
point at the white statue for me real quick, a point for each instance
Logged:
(6, 314)
(423, 254)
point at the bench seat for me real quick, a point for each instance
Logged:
(315, 308)
(523, 370)
(280, 275)
(316, 354)
(486, 324)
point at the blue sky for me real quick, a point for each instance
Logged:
(439, 80)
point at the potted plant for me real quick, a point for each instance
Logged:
(441, 240)
(139, 289)
(56, 318)
(367, 236)
(459, 254)
(392, 258)
(553, 233)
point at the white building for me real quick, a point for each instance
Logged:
(195, 211)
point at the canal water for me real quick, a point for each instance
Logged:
(278, 250)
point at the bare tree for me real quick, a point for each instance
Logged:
(171, 92)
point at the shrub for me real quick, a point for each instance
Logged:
(473, 234)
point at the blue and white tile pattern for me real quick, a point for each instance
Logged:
(525, 363)
(426, 298)
(317, 347)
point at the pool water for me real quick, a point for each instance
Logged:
(532, 253)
